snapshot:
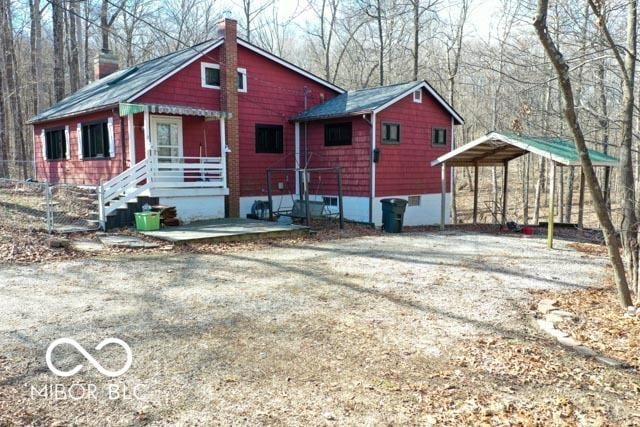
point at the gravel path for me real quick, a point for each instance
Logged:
(353, 331)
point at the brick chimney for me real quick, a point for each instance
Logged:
(104, 63)
(228, 29)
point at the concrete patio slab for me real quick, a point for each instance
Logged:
(228, 229)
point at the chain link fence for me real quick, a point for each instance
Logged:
(38, 206)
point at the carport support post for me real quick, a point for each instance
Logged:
(581, 200)
(475, 194)
(552, 201)
(443, 198)
(505, 180)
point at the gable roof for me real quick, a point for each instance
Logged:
(128, 84)
(496, 148)
(119, 86)
(371, 100)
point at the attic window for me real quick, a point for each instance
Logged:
(210, 75)
(242, 80)
(417, 96)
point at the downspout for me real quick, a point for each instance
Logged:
(372, 168)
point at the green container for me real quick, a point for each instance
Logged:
(147, 221)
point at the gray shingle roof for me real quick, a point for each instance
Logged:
(367, 100)
(121, 85)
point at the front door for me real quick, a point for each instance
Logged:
(166, 137)
(166, 134)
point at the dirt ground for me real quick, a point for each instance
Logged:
(418, 328)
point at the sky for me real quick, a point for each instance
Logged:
(482, 16)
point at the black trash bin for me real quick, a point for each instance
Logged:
(393, 214)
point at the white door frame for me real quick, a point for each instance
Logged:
(155, 119)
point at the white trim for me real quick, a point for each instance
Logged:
(79, 140)
(223, 151)
(459, 150)
(176, 120)
(417, 99)
(43, 141)
(67, 143)
(132, 140)
(243, 72)
(203, 75)
(288, 65)
(431, 91)
(112, 139)
(297, 153)
(147, 133)
(372, 196)
(180, 68)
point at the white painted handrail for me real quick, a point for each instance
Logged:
(163, 172)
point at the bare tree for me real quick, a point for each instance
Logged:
(12, 83)
(627, 65)
(57, 12)
(562, 70)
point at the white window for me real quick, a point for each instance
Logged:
(210, 75)
(242, 80)
(417, 96)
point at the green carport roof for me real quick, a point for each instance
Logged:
(495, 148)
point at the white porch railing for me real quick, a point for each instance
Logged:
(160, 172)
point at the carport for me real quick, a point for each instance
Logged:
(498, 149)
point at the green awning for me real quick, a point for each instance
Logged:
(177, 110)
(496, 148)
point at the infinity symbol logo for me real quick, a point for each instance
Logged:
(90, 358)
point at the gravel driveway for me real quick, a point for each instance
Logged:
(368, 330)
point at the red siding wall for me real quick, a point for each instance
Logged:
(405, 168)
(354, 159)
(185, 88)
(75, 170)
(275, 94)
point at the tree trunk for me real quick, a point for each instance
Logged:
(380, 40)
(13, 86)
(58, 49)
(36, 54)
(74, 62)
(562, 70)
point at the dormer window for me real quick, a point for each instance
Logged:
(417, 96)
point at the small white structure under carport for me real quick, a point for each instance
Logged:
(498, 149)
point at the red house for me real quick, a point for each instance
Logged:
(198, 129)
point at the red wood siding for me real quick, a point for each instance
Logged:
(354, 159)
(274, 95)
(75, 170)
(185, 87)
(405, 168)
